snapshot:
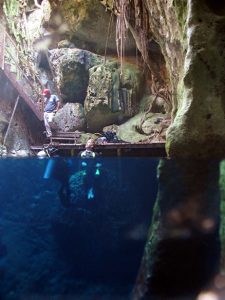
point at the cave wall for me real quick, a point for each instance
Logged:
(20, 134)
(199, 124)
(182, 253)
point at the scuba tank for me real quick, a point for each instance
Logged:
(49, 169)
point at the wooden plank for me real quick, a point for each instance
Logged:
(62, 138)
(112, 146)
(65, 134)
(124, 149)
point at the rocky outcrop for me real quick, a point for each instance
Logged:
(142, 128)
(108, 97)
(70, 118)
(184, 239)
(36, 17)
(90, 26)
(112, 97)
(199, 127)
(15, 135)
(70, 67)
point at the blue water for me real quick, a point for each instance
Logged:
(52, 247)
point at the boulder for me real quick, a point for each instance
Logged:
(112, 97)
(70, 67)
(70, 117)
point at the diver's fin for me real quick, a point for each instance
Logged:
(90, 194)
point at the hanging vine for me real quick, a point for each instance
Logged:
(15, 12)
(133, 15)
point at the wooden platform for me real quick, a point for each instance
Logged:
(71, 138)
(109, 149)
(68, 144)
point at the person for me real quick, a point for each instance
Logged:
(88, 152)
(60, 169)
(90, 168)
(51, 103)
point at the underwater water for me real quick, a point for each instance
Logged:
(72, 231)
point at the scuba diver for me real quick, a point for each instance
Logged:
(88, 152)
(60, 168)
(90, 168)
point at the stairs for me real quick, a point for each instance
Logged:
(25, 82)
(65, 138)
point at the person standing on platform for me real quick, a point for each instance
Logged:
(51, 106)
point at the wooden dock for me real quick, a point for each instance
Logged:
(109, 149)
(68, 144)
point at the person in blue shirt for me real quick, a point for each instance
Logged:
(51, 106)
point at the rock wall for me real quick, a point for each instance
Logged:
(182, 254)
(19, 135)
(199, 124)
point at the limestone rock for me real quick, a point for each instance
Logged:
(70, 117)
(65, 44)
(3, 151)
(3, 126)
(71, 72)
(112, 98)
(35, 20)
(88, 23)
(198, 129)
(19, 153)
(142, 128)
(128, 132)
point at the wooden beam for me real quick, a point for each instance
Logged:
(11, 119)
(23, 95)
(139, 150)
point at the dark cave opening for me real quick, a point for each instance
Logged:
(42, 60)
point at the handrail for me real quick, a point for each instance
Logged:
(38, 80)
(14, 44)
(34, 84)
(23, 73)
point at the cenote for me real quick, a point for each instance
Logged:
(142, 84)
(91, 249)
(105, 246)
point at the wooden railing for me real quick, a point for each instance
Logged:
(20, 74)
